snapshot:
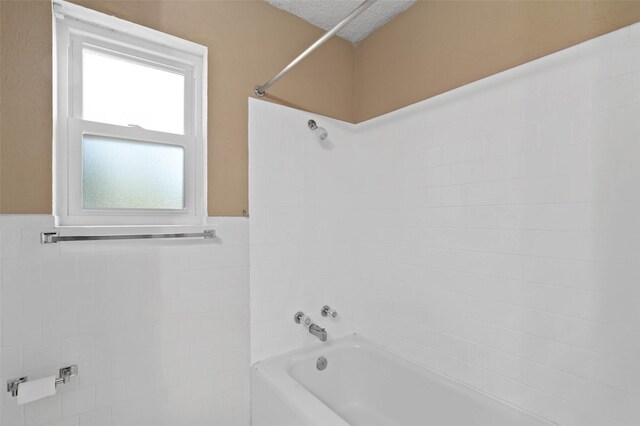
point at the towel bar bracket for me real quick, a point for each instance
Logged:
(13, 384)
(66, 373)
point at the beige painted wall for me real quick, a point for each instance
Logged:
(431, 48)
(248, 42)
(436, 46)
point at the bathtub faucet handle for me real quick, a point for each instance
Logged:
(301, 318)
(327, 311)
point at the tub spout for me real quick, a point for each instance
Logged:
(319, 332)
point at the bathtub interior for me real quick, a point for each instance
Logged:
(368, 386)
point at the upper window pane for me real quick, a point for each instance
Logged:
(122, 92)
(125, 174)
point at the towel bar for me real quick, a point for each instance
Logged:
(54, 237)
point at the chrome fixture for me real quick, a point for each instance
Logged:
(321, 363)
(301, 318)
(320, 132)
(319, 332)
(316, 330)
(64, 375)
(261, 90)
(54, 237)
(13, 384)
(327, 311)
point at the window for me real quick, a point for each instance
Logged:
(129, 115)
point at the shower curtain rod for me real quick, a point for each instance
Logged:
(261, 90)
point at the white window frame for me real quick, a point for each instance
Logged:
(75, 28)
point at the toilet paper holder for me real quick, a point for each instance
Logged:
(64, 375)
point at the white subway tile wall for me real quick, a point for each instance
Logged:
(302, 233)
(159, 329)
(496, 232)
(500, 233)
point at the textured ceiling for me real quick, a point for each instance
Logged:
(327, 13)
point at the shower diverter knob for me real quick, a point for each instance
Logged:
(326, 311)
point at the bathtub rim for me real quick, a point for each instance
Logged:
(276, 370)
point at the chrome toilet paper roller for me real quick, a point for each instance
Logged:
(27, 391)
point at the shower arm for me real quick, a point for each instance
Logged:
(261, 90)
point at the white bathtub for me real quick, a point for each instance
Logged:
(365, 385)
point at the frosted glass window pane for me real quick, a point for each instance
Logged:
(117, 91)
(124, 174)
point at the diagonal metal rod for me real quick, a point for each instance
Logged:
(261, 90)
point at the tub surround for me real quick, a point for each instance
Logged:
(301, 227)
(507, 243)
(494, 226)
